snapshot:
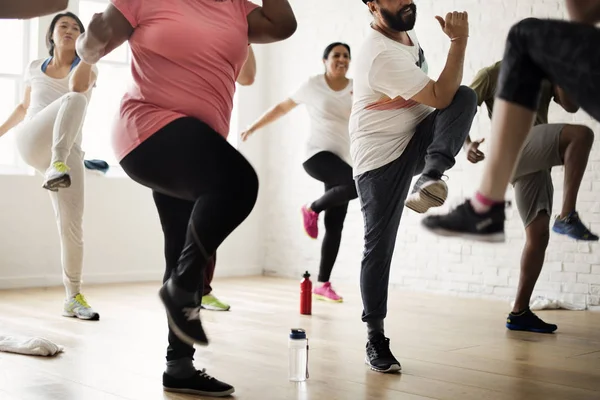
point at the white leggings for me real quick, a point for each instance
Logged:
(54, 134)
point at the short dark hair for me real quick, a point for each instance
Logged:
(333, 45)
(49, 41)
(366, 1)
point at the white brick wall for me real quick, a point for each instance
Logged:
(421, 261)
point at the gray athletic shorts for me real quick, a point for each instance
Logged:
(531, 178)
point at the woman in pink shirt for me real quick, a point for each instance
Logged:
(171, 137)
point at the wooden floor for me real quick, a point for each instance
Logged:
(450, 348)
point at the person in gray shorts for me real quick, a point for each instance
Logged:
(546, 146)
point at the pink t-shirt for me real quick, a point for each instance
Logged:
(187, 55)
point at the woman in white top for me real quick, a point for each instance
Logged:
(57, 92)
(328, 99)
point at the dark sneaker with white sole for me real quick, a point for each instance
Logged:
(464, 222)
(380, 357)
(184, 320)
(528, 321)
(200, 384)
(428, 192)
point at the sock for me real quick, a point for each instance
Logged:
(482, 204)
(180, 296)
(180, 369)
(374, 328)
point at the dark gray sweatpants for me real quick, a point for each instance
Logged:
(382, 193)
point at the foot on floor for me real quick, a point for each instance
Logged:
(528, 321)
(210, 302)
(379, 356)
(200, 384)
(326, 293)
(78, 307)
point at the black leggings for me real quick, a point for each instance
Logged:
(203, 189)
(565, 53)
(339, 190)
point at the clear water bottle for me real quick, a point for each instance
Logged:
(298, 349)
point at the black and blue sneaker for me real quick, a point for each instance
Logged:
(572, 226)
(528, 321)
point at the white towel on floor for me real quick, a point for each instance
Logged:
(544, 303)
(34, 346)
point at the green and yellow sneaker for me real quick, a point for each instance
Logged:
(210, 302)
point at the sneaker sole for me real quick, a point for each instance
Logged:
(62, 182)
(180, 334)
(429, 196)
(212, 308)
(324, 298)
(95, 317)
(573, 237)
(488, 238)
(392, 368)
(524, 329)
(200, 392)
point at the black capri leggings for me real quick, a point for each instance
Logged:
(192, 168)
(339, 190)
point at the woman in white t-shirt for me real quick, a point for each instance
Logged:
(328, 100)
(49, 119)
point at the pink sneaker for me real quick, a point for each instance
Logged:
(311, 222)
(327, 293)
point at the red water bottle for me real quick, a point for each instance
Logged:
(306, 295)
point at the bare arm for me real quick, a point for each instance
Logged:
(106, 32)
(584, 11)
(439, 94)
(563, 99)
(25, 9)
(82, 79)
(248, 72)
(273, 22)
(270, 116)
(18, 115)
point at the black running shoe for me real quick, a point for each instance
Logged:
(528, 321)
(379, 356)
(464, 222)
(200, 384)
(428, 192)
(184, 320)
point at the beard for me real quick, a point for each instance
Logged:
(400, 22)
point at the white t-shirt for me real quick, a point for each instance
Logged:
(384, 70)
(329, 112)
(44, 89)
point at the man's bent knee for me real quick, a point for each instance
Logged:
(538, 230)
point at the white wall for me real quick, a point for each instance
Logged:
(123, 239)
(421, 262)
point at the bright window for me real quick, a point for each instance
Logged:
(12, 67)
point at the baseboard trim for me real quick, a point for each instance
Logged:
(36, 281)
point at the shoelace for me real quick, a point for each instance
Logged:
(61, 167)
(192, 313)
(380, 348)
(202, 373)
(81, 300)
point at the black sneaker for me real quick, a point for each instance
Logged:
(528, 321)
(464, 222)
(200, 384)
(379, 357)
(428, 192)
(184, 320)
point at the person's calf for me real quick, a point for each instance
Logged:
(575, 145)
